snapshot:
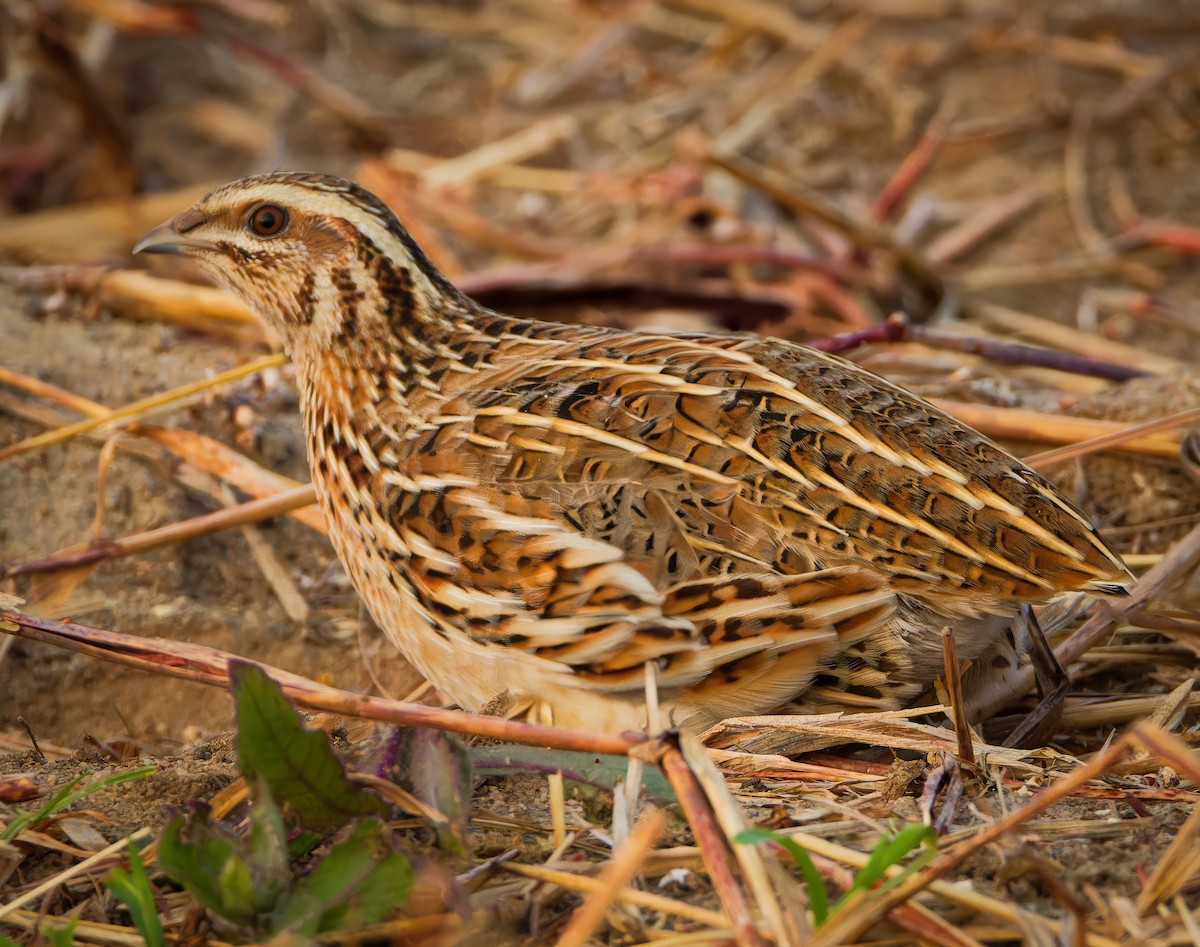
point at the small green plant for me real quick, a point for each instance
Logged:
(300, 793)
(133, 889)
(60, 935)
(892, 849)
(68, 795)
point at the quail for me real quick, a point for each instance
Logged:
(533, 512)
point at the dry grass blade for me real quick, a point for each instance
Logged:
(132, 412)
(642, 899)
(402, 798)
(794, 734)
(1076, 184)
(714, 845)
(1089, 53)
(276, 576)
(774, 894)
(558, 807)
(767, 17)
(518, 176)
(68, 399)
(961, 239)
(1189, 919)
(112, 853)
(616, 875)
(86, 932)
(243, 514)
(1114, 711)
(1172, 708)
(1168, 748)
(1115, 439)
(234, 468)
(982, 278)
(1019, 424)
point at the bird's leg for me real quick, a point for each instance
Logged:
(1053, 683)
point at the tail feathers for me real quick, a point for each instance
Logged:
(767, 635)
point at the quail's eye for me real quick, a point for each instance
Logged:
(268, 220)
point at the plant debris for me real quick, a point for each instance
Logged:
(995, 206)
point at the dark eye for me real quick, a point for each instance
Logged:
(267, 220)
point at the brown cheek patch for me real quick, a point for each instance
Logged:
(327, 237)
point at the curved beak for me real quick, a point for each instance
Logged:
(174, 236)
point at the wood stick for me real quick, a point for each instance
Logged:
(1019, 424)
(245, 513)
(712, 842)
(614, 877)
(1054, 335)
(210, 666)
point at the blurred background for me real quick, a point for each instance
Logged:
(996, 171)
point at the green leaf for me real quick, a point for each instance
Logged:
(813, 881)
(360, 881)
(594, 769)
(892, 850)
(435, 766)
(207, 860)
(303, 843)
(133, 889)
(266, 850)
(297, 764)
(8, 942)
(68, 796)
